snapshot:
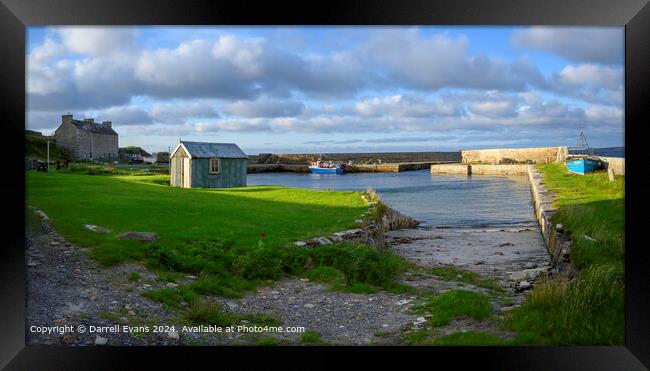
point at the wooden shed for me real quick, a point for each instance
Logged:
(207, 165)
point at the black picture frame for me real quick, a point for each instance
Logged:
(16, 15)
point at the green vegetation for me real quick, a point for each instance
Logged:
(590, 309)
(455, 304)
(311, 337)
(451, 273)
(232, 239)
(134, 276)
(36, 147)
(473, 338)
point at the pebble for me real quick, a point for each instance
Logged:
(132, 313)
(174, 335)
(498, 253)
(309, 305)
(300, 243)
(172, 284)
(531, 265)
(100, 340)
(190, 277)
(403, 302)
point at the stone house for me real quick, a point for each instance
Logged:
(207, 165)
(87, 140)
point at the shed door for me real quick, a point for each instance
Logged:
(186, 172)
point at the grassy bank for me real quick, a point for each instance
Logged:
(232, 239)
(590, 308)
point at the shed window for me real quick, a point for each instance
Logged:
(214, 166)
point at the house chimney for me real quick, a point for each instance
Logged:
(107, 124)
(89, 121)
(66, 118)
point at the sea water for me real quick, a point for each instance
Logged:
(433, 199)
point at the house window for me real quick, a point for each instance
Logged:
(214, 166)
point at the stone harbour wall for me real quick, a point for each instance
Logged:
(479, 169)
(356, 158)
(557, 243)
(616, 163)
(496, 156)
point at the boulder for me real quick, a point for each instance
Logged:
(141, 236)
(97, 229)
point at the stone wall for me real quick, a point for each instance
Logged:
(557, 243)
(449, 169)
(479, 169)
(495, 156)
(616, 163)
(356, 158)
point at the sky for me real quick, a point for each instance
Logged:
(332, 89)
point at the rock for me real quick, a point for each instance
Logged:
(531, 265)
(498, 253)
(300, 243)
(41, 214)
(32, 263)
(516, 252)
(174, 335)
(54, 243)
(507, 309)
(479, 262)
(309, 305)
(59, 322)
(124, 319)
(589, 238)
(304, 279)
(100, 340)
(559, 228)
(336, 238)
(505, 244)
(358, 221)
(97, 229)
(68, 339)
(171, 284)
(231, 305)
(190, 277)
(518, 276)
(131, 313)
(459, 276)
(323, 241)
(141, 236)
(523, 285)
(128, 307)
(403, 302)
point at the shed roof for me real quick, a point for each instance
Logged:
(95, 127)
(208, 150)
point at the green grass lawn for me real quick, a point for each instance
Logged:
(589, 310)
(239, 216)
(231, 238)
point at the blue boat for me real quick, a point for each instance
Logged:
(581, 159)
(582, 166)
(325, 170)
(320, 167)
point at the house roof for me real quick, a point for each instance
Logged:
(96, 128)
(208, 150)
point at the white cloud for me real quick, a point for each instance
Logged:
(591, 75)
(99, 40)
(264, 107)
(581, 44)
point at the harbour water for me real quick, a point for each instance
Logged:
(434, 199)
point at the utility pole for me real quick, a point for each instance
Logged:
(48, 155)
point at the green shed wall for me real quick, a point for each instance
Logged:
(232, 173)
